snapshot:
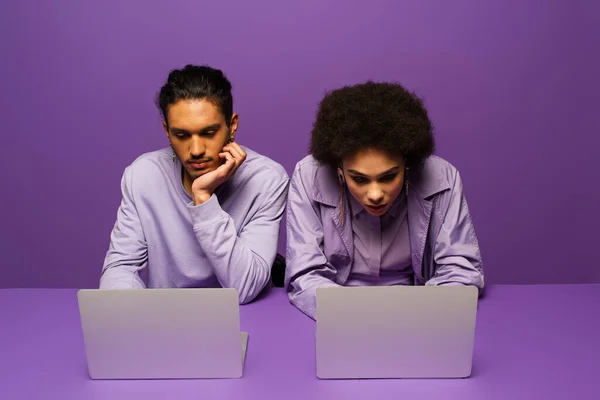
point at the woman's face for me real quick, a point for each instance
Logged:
(374, 179)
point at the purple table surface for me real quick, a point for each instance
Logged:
(531, 342)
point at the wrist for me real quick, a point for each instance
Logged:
(200, 197)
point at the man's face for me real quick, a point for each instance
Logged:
(198, 131)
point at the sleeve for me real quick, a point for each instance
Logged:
(242, 262)
(307, 267)
(128, 251)
(456, 254)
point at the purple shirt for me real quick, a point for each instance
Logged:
(228, 241)
(320, 250)
(381, 246)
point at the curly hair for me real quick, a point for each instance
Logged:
(371, 115)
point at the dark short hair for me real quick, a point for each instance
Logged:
(195, 83)
(384, 116)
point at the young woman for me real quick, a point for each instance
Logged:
(371, 205)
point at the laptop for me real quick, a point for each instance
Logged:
(162, 333)
(395, 332)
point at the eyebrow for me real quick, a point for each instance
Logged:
(206, 128)
(389, 171)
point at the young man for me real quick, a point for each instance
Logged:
(204, 212)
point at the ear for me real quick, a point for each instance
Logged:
(165, 127)
(233, 126)
(340, 175)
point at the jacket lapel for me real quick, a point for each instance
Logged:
(419, 216)
(345, 233)
(327, 191)
(424, 183)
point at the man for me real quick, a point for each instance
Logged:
(204, 212)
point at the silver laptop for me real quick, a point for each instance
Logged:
(162, 333)
(395, 332)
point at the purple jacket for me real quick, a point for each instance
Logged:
(320, 251)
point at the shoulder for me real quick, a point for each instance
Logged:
(151, 160)
(436, 167)
(259, 168)
(148, 167)
(433, 176)
(306, 170)
(306, 174)
(319, 182)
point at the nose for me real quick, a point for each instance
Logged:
(197, 147)
(375, 195)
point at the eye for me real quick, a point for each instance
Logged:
(181, 135)
(209, 134)
(388, 178)
(360, 180)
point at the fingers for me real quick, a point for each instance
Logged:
(233, 157)
(229, 164)
(236, 151)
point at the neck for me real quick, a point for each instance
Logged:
(186, 179)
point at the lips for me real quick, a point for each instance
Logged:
(198, 164)
(376, 209)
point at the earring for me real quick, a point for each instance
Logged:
(341, 205)
(406, 181)
(340, 175)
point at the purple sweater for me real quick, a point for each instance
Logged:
(229, 241)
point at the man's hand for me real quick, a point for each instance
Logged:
(204, 186)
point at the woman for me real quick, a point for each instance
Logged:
(371, 205)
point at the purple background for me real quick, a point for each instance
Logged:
(512, 88)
